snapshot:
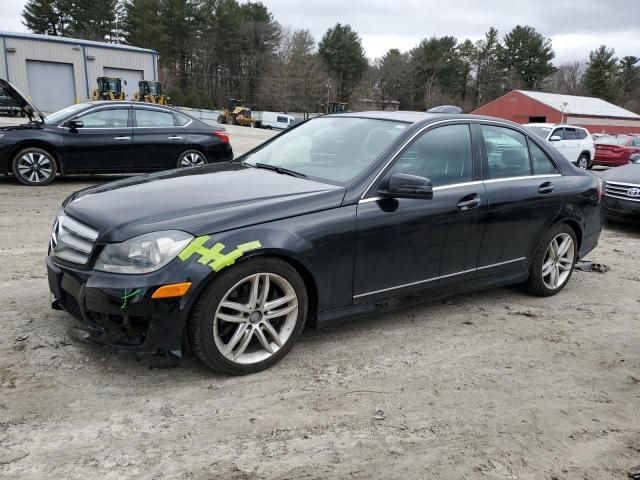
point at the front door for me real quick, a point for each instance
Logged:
(157, 139)
(102, 144)
(525, 193)
(413, 244)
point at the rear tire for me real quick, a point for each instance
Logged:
(583, 162)
(34, 167)
(191, 158)
(231, 331)
(553, 262)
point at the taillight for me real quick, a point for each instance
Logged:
(600, 189)
(224, 136)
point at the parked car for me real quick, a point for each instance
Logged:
(105, 137)
(339, 216)
(616, 150)
(573, 142)
(622, 192)
(278, 121)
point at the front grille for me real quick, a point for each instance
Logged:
(624, 191)
(72, 241)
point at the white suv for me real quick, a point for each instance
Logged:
(573, 142)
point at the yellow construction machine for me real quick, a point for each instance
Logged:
(150, 91)
(109, 88)
(234, 113)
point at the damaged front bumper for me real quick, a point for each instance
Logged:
(118, 310)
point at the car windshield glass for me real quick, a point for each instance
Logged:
(611, 140)
(331, 149)
(541, 132)
(57, 117)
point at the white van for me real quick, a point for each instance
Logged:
(277, 120)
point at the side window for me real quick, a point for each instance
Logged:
(507, 152)
(282, 120)
(109, 118)
(582, 134)
(558, 132)
(181, 119)
(636, 142)
(570, 134)
(153, 118)
(542, 164)
(443, 155)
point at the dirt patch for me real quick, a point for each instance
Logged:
(496, 384)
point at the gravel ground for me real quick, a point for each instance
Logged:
(496, 384)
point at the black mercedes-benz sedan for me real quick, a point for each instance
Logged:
(105, 137)
(340, 216)
(622, 192)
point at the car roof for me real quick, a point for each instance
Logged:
(551, 125)
(407, 116)
(128, 103)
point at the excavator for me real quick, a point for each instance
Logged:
(109, 88)
(150, 91)
(235, 113)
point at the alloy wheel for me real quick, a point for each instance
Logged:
(558, 261)
(255, 318)
(35, 167)
(191, 159)
(583, 163)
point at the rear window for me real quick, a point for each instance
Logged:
(613, 140)
(582, 134)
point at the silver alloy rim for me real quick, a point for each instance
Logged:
(255, 318)
(558, 261)
(191, 159)
(582, 163)
(35, 167)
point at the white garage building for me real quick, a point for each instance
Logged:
(55, 72)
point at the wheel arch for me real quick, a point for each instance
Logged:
(195, 147)
(35, 144)
(575, 226)
(587, 153)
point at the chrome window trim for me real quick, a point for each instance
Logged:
(419, 282)
(522, 177)
(454, 121)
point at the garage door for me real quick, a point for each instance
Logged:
(132, 78)
(51, 85)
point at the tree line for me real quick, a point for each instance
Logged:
(211, 50)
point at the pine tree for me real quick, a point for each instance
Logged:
(49, 17)
(525, 58)
(600, 77)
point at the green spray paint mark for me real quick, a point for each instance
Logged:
(213, 256)
(127, 296)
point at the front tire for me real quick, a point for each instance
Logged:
(553, 262)
(250, 316)
(191, 158)
(34, 167)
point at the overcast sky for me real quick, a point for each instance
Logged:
(575, 26)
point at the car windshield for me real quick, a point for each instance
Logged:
(541, 132)
(612, 140)
(57, 117)
(332, 149)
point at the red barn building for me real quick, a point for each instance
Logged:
(594, 114)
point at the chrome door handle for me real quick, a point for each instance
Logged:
(175, 137)
(546, 187)
(464, 205)
(122, 138)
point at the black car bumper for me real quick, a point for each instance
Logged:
(121, 313)
(621, 210)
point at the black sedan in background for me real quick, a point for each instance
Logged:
(622, 192)
(105, 137)
(339, 216)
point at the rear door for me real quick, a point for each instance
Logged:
(525, 193)
(561, 145)
(158, 139)
(573, 144)
(102, 144)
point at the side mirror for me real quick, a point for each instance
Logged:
(555, 138)
(635, 159)
(403, 185)
(75, 124)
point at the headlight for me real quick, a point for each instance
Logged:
(144, 254)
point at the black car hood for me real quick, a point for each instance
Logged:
(198, 200)
(28, 108)
(625, 174)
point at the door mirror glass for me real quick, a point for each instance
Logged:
(555, 138)
(403, 185)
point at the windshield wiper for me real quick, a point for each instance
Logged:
(281, 170)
